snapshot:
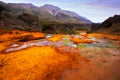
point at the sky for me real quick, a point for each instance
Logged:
(94, 10)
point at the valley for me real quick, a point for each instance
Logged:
(50, 43)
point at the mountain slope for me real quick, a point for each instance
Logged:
(11, 20)
(47, 12)
(110, 26)
(63, 15)
(47, 18)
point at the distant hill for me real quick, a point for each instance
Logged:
(29, 17)
(109, 26)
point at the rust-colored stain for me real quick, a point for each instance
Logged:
(78, 40)
(16, 35)
(56, 37)
(57, 62)
(112, 37)
(37, 63)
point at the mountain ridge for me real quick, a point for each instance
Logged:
(109, 26)
(28, 17)
(47, 12)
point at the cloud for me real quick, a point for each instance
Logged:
(101, 0)
(104, 4)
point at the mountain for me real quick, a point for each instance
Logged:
(63, 15)
(109, 26)
(29, 17)
(47, 12)
(11, 20)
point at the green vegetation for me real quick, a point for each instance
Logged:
(67, 41)
(81, 46)
(2, 8)
(46, 23)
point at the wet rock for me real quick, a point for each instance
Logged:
(15, 45)
(49, 35)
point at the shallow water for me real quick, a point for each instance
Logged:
(103, 43)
